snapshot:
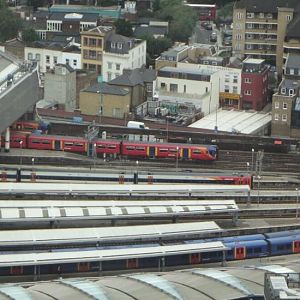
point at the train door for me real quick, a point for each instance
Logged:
(57, 145)
(132, 263)
(296, 246)
(83, 267)
(152, 152)
(91, 149)
(185, 153)
(195, 258)
(240, 253)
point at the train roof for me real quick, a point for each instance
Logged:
(168, 144)
(23, 259)
(33, 211)
(236, 244)
(126, 189)
(102, 234)
(282, 233)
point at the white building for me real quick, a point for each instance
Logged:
(188, 86)
(47, 58)
(122, 53)
(229, 82)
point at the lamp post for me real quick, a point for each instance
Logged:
(258, 186)
(297, 207)
(252, 160)
(177, 148)
(32, 162)
(94, 154)
(21, 143)
(167, 129)
(248, 164)
(100, 112)
(216, 127)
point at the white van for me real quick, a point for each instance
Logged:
(137, 125)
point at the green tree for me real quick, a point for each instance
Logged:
(29, 35)
(10, 24)
(182, 19)
(123, 27)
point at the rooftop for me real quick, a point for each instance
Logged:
(187, 70)
(244, 122)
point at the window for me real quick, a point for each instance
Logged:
(108, 76)
(120, 45)
(248, 92)
(284, 118)
(30, 56)
(239, 15)
(235, 78)
(261, 15)
(99, 43)
(284, 105)
(109, 65)
(269, 16)
(47, 59)
(249, 25)
(67, 61)
(248, 80)
(173, 87)
(283, 91)
(276, 117)
(292, 72)
(261, 26)
(227, 78)
(248, 47)
(291, 92)
(238, 36)
(276, 104)
(92, 42)
(235, 89)
(288, 17)
(269, 26)
(85, 41)
(250, 15)
(118, 67)
(249, 36)
(38, 56)
(113, 44)
(55, 59)
(74, 62)
(184, 89)
(226, 89)
(163, 85)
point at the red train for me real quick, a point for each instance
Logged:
(113, 147)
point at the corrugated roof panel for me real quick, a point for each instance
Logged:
(15, 292)
(87, 287)
(159, 283)
(224, 278)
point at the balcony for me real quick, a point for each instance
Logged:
(259, 52)
(261, 31)
(175, 95)
(262, 20)
(261, 41)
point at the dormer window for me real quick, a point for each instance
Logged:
(291, 92)
(120, 45)
(283, 91)
(113, 44)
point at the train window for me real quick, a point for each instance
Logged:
(196, 151)
(173, 150)
(101, 146)
(68, 143)
(140, 148)
(163, 150)
(78, 144)
(45, 142)
(35, 141)
(130, 148)
(111, 146)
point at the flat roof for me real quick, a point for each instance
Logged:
(245, 122)
(250, 60)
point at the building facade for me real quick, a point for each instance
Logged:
(122, 53)
(104, 100)
(229, 83)
(260, 28)
(92, 47)
(180, 86)
(60, 87)
(48, 55)
(286, 102)
(254, 84)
